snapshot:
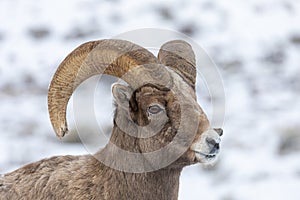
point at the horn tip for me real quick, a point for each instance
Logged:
(61, 132)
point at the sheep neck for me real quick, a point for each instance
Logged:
(160, 184)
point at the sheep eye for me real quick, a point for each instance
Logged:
(155, 109)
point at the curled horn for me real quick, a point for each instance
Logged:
(180, 56)
(111, 57)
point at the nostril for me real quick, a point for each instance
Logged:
(217, 146)
(212, 142)
(215, 149)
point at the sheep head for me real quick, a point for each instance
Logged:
(156, 111)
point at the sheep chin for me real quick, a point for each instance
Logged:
(203, 151)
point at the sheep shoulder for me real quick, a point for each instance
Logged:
(67, 177)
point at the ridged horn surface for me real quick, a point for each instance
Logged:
(111, 57)
(180, 56)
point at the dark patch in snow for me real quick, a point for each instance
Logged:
(295, 39)
(165, 13)
(189, 29)
(233, 65)
(39, 32)
(276, 57)
(81, 32)
(289, 141)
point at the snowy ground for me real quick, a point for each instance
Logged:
(256, 45)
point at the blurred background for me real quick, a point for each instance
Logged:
(255, 44)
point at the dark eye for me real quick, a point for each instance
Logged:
(154, 109)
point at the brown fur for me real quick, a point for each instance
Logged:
(85, 177)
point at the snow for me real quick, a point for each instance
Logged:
(252, 42)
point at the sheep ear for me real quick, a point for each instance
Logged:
(121, 94)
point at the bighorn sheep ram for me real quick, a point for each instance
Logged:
(159, 98)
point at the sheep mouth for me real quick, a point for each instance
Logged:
(209, 156)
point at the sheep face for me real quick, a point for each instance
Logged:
(152, 116)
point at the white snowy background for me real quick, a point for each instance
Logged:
(255, 44)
